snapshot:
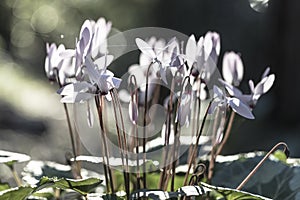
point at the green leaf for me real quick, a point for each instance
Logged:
(10, 158)
(230, 194)
(275, 179)
(203, 190)
(4, 186)
(36, 169)
(82, 186)
(19, 193)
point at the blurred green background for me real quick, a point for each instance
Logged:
(266, 33)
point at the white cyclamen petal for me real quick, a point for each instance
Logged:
(191, 50)
(90, 115)
(268, 83)
(145, 48)
(232, 68)
(240, 108)
(104, 61)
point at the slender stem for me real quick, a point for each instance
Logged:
(100, 102)
(177, 131)
(261, 162)
(77, 173)
(216, 151)
(134, 99)
(215, 142)
(195, 150)
(15, 175)
(167, 137)
(197, 116)
(144, 127)
(125, 146)
(227, 133)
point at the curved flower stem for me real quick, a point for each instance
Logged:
(196, 116)
(227, 133)
(15, 175)
(177, 133)
(261, 162)
(122, 142)
(215, 152)
(218, 123)
(195, 149)
(134, 98)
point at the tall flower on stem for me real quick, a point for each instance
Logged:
(100, 82)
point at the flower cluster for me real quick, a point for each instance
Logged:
(82, 72)
(186, 68)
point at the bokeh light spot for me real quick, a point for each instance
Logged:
(22, 35)
(44, 19)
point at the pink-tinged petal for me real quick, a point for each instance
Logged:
(68, 99)
(213, 107)
(104, 61)
(208, 45)
(251, 86)
(200, 45)
(133, 112)
(47, 66)
(268, 83)
(66, 90)
(116, 82)
(191, 50)
(67, 53)
(163, 74)
(77, 97)
(91, 70)
(184, 113)
(240, 108)
(218, 93)
(86, 30)
(232, 68)
(171, 42)
(145, 48)
(124, 95)
(266, 73)
(233, 91)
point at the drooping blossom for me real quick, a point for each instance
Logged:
(232, 68)
(202, 56)
(222, 101)
(55, 65)
(92, 42)
(163, 56)
(101, 81)
(262, 87)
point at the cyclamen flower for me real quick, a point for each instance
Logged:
(232, 68)
(92, 42)
(261, 88)
(101, 82)
(202, 56)
(223, 102)
(185, 107)
(164, 57)
(55, 65)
